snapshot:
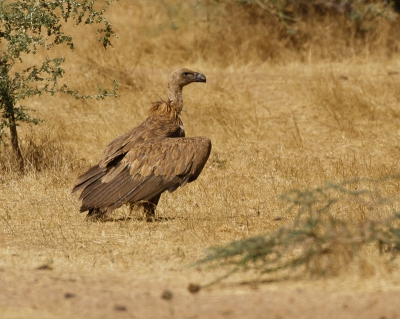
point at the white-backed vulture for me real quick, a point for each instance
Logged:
(153, 157)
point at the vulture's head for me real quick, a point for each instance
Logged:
(181, 77)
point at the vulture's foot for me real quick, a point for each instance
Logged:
(98, 215)
(145, 208)
(150, 211)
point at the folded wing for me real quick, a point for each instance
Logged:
(147, 169)
(153, 127)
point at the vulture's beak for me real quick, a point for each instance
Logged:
(198, 77)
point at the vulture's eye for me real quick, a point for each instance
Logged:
(185, 74)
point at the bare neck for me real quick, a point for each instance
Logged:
(175, 96)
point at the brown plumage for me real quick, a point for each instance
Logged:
(153, 157)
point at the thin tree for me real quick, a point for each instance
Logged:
(25, 26)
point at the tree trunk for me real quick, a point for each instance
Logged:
(14, 134)
(396, 4)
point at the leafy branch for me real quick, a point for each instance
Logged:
(24, 27)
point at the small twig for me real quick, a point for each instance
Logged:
(221, 278)
(9, 226)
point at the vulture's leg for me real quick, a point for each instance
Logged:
(97, 215)
(150, 208)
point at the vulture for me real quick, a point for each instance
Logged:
(138, 166)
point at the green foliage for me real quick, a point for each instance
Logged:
(25, 26)
(320, 238)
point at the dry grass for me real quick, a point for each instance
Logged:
(280, 116)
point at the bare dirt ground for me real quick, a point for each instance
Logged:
(51, 294)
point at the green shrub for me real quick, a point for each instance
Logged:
(25, 27)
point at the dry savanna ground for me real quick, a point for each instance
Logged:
(287, 120)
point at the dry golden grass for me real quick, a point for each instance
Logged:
(280, 117)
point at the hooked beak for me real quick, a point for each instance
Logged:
(199, 77)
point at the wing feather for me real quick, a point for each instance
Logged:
(88, 178)
(114, 172)
(148, 170)
(152, 127)
(106, 194)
